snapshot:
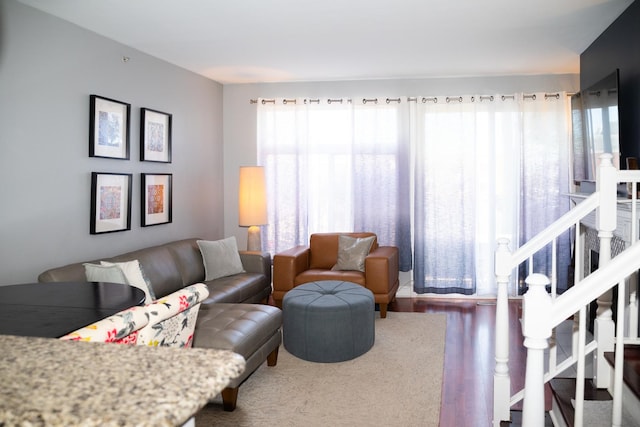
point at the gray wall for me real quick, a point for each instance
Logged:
(240, 115)
(48, 69)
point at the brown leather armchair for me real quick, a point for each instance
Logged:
(303, 264)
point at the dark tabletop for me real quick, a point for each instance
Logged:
(54, 309)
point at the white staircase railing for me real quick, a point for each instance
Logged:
(542, 312)
(537, 329)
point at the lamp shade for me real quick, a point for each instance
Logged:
(252, 197)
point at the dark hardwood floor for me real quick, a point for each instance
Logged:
(467, 389)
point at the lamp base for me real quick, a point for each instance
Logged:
(254, 242)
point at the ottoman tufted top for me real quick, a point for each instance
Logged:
(327, 293)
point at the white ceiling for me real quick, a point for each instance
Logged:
(242, 41)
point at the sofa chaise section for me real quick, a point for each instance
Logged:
(230, 318)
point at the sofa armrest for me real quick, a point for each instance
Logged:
(381, 269)
(287, 265)
(172, 319)
(256, 262)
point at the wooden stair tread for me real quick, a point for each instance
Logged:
(564, 390)
(631, 367)
(516, 420)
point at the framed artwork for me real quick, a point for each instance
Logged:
(155, 136)
(156, 198)
(108, 128)
(110, 202)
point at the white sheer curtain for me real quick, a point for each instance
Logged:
(479, 160)
(335, 165)
(545, 168)
(438, 177)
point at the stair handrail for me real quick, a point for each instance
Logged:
(505, 263)
(554, 230)
(603, 201)
(537, 330)
(595, 284)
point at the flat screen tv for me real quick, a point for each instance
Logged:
(595, 125)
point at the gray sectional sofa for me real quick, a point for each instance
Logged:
(231, 318)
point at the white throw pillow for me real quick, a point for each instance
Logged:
(103, 273)
(220, 257)
(352, 251)
(135, 277)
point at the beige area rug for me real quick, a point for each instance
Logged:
(396, 383)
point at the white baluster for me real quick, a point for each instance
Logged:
(501, 379)
(536, 329)
(632, 307)
(580, 368)
(578, 275)
(616, 417)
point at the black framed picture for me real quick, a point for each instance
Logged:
(110, 202)
(108, 128)
(156, 198)
(155, 136)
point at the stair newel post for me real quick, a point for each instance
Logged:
(536, 328)
(606, 216)
(501, 378)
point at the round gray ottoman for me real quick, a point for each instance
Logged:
(328, 321)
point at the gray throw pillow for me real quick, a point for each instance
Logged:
(352, 251)
(220, 258)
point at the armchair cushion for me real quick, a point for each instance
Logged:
(220, 257)
(352, 252)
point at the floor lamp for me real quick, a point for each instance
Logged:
(252, 204)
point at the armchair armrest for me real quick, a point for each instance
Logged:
(172, 319)
(286, 266)
(121, 327)
(381, 269)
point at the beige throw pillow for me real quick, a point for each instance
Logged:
(220, 257)
(104, 273)
(135, 277)
(352, 251)
(115, 273)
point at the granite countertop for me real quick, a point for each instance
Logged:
(49, 382)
